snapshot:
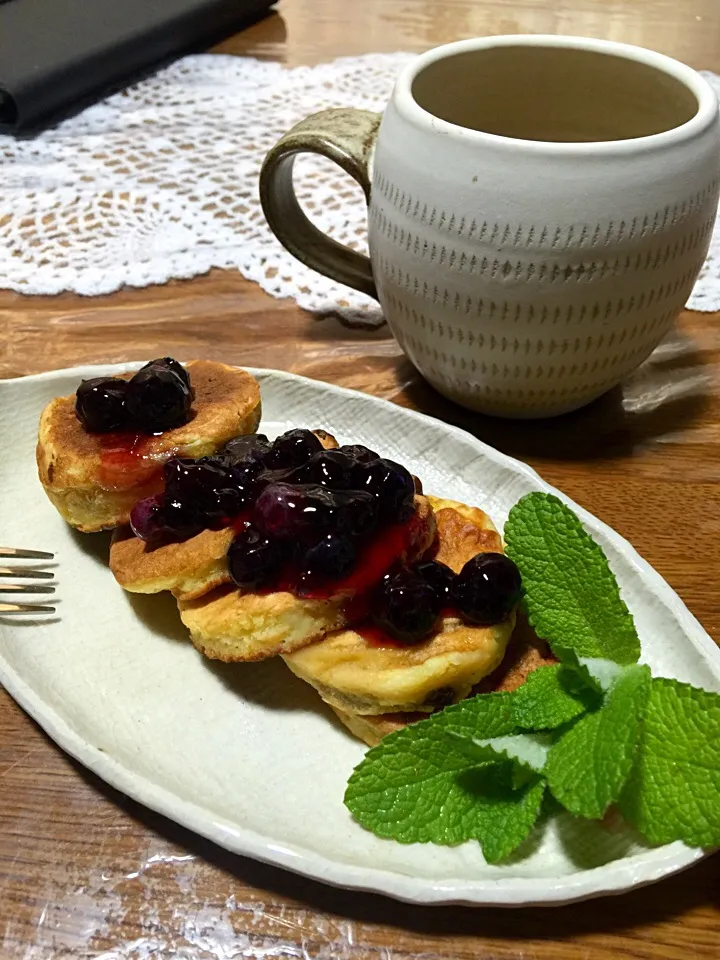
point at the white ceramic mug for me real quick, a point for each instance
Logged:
(539, 209)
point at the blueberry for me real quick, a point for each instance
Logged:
(359, 452)
(228, 502)
(253, 448)
(266, 478)
(146, 517)
(487, 588)
(244, 476)
(253, 559)
(192, 480)
(333, 557)
(439, 698)
(292, 449)
(392, 485)
(439, 576)
(406, 606)
(167, 363)
(100, 404)
(329, 468)
(358, 512)
(286, 511)
(185, 478)
(218, 462)
(205, 488)
(158, 399)
(180, 522)
(161, 516)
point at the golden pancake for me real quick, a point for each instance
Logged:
(371, 729)
(358, 674)
(189, 568)
(525, 653)
(95, 480)
(230, 625)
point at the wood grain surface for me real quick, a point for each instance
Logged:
(87, 873)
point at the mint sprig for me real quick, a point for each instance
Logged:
(592, 731)
(551, 697)
(571, 595)
(504, 812)
(673, 792)
(443, 787)
(588, 766)
(410, 789)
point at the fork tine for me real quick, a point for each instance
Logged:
(23, 574)
(25, 554)
(26, 588)
(25, 608)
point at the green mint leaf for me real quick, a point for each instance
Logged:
(551, 697)
(587, 768)
(594, 673)
(503, 815)
(407, 786)
(430, 782)
(673, 792)
(571, 594)
(485, 715)
(580, 666)
(601, 674)
(524, 750)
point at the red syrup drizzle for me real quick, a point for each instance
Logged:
(374, 560)
(125, 460)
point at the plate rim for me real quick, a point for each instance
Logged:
(613, 878)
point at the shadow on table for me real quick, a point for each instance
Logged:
(669, 391)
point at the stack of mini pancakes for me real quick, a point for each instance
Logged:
(373, 686)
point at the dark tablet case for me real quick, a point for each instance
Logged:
(57, 55)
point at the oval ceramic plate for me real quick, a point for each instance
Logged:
(246, 754)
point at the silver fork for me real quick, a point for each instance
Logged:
(25, 573)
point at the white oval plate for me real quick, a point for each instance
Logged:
(247, 755)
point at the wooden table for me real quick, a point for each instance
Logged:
(84, 872)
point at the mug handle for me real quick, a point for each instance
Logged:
(347, 136)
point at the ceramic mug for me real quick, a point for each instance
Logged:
(539, 210)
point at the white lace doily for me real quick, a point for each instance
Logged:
(160, 182)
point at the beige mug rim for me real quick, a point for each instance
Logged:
(705, 115)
